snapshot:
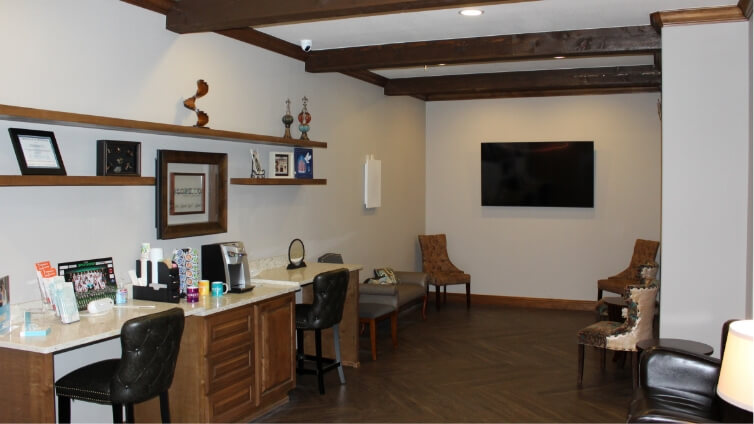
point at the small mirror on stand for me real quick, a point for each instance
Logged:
(296, 254)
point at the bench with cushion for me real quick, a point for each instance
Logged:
(410, 290)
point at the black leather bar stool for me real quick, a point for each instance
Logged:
(145, 369)
(326, 310)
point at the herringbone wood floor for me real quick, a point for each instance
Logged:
(488, 364)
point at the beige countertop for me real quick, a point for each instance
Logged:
(91, 329)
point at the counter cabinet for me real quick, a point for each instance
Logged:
(233, 366)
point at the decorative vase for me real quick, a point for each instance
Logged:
(303, 120)
(287, 119)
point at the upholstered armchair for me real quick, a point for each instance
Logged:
(440, 269)
(621, 336)
(409, 290)
(645, 252)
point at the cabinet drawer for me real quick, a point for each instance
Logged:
(229, 329)
(226, 368)
(234, 403)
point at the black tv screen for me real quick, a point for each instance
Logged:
(553, 174)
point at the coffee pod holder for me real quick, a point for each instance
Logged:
(167, 287)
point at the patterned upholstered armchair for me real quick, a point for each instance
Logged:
(645, 251)
(622, 336)
(439, 269)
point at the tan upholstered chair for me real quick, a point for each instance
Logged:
(440, 271)
(622, 336)
(645, 252)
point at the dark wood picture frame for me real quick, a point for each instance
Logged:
(48, 160)
(215, 218)
(118, 158)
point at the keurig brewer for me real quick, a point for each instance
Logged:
(227, 262)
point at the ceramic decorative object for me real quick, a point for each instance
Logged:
(287, 119)
(256, 165)
(202, 118)
(303, 120)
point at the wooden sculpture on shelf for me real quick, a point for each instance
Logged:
(202, 118)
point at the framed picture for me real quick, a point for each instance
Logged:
(192, 193)
(303, 160)
(281, 165)
(92, 279)
(37, 152)
(119, 158)
(187, 194)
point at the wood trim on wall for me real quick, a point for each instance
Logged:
(522, 302)
(706, 15)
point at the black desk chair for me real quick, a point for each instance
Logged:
(145, 369)
(326, 310)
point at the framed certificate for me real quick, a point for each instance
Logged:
(37, 152)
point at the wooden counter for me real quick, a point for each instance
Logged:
(27, 364)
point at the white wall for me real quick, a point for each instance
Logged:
(555, 253)
(706, 148)
(113, 59)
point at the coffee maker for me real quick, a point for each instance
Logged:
(227, 262)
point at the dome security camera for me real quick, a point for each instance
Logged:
(306, 45)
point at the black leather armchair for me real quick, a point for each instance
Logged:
(676, 386)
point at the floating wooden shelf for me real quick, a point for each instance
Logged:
(278, 181)
(24, 114)
(63, 180)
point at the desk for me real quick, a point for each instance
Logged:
(27, 364)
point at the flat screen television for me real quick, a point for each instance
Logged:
(545, 174)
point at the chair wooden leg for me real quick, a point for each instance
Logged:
(164, 407)
(437, 297)
(394, 327)
(635, 368)
(424, 307)
(603, 355)
(445, 295)
(468, 295)
(64, 409)
(373, 337)
(581, 364)
(599, 294)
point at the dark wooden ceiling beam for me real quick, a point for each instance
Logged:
(704, 15)
(159, 6)
(536, 93)
(515, 47)
(559, 80)
(212, 15)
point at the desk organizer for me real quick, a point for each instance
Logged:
(165, 275)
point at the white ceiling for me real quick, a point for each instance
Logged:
(501, 19)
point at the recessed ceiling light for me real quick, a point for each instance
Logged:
(558, 57)
(471, 12)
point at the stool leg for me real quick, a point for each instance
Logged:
(336, 341)
(394, 327)
(373, 337)
(130, 413)
(318, 349)
(64, 409)
(300, 349)
(164, 407)
(117, 413)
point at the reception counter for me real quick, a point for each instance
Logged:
(236, 360)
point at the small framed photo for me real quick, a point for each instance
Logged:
(304, 162)
(188, 193)
(37, 152)
(118, 158)
(281, 164)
